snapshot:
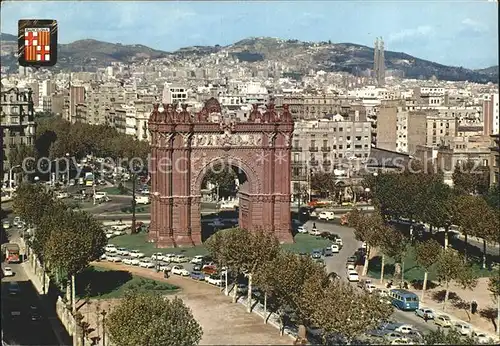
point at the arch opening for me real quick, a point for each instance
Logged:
(220, 186)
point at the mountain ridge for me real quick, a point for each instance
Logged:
(88, 54)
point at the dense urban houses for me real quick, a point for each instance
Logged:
(17, 121)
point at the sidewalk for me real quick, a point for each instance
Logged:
(464, 297)
(58, 328)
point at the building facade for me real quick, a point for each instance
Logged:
(17, 121)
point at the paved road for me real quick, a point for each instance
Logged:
(337, 262)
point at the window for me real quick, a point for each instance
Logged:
(341, 147)
(296, 143)
(348, 138)
(325, 156)
(296, 157)
(341, 129)
(325, 143)
(313, 143)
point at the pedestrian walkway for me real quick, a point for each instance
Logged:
(58, 328)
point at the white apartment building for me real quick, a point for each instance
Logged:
(173, 93)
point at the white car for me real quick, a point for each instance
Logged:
(168, 257)
(314, 232)
(339, 242)
(404, 329)
(401, 341)
(197, 259)
(62, 195)
(301, 229)
(136, 254)
(109, 235)
(481, 337)
(7, 271)
(157, 256)
(351, 267)
(119, 227)
(142, 200)
(6, 224)
(121, 251)
(214, 280)
(179, 270)
(113, 258)
(335, 248)
(164, 267)
(118, 232)
(135, 261)
(110, 248)
(352, 276)
(370, 288)
(326, 215)
(127, 260)
(103, 257)
(462, 328)
(180, 259)
(146, 263)
(443, 321)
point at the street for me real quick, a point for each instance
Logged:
(15, 327)
(337, 264)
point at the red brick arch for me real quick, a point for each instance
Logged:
(190, 143)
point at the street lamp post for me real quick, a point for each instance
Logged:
(10, 178)
(67, 170)
(103, 314)
(134, 178)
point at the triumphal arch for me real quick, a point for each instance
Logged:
(184, 146)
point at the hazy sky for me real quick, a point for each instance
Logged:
(449, 32)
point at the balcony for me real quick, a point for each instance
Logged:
(296, 149)
(298, 163)
(313, 149)
(326, 149)
(314, 162)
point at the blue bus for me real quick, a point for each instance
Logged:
(403, 299)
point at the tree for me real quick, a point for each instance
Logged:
(450, 337)
(223, 177)
(283, 280)
(262, 248)
(426, 255)
(19, 153)
(395, 245)
(469, 213)
(230, 247)
(438, 206)
(354, 311)
(151, 319)
(450, 267)
(32, 202)
(367, 228)
(493, 197)
(324, 183)
(471, 178)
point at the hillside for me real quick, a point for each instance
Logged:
(299, 56)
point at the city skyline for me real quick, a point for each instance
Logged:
(438, 31)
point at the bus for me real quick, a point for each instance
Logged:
(89, 179)
(403, 299)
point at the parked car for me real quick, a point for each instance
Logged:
(316, 254)
(425, 313)
(146, 263)
(481, 337)
(179, 270)
(110, 248)
(352, 260)
(241, 288)
(362, 283)
(7, 271)
(197, 275)
(121, 251)
(335, 248)
(113, 258)
(136, 254)
(157, 256)
(327, 252)
(214, 280)
(462, 328)
(127, 260)
(180, 259)
(370, 288)
(168, 257)
(301, 229)
(352, 276)
(404, 329)
(443, 321)
(197, 259)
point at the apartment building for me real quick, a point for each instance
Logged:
(137, 115)
(326, 143)
(495, 160)
(314, 106)
(173, 93)
(17, 122)
(399, 129)
(491, 115)
(439, 128)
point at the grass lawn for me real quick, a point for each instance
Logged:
(303, 243)
(102, 283)
(411, 270)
